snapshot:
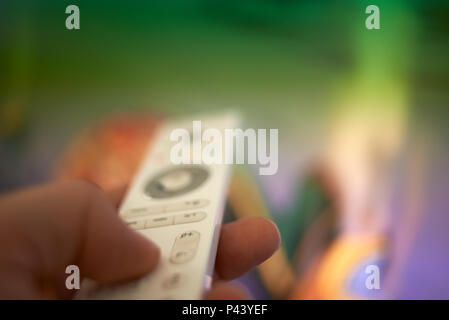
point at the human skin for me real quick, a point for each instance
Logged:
(46, 228)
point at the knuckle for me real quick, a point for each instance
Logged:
(88, 191)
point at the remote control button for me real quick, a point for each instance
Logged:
(136, 225)
(176, 181)
(158, 222)
(182, 256)
(139, 212)
(185, 247)
(188, 237)
(189, 217)
(173, 281)
(186, 205)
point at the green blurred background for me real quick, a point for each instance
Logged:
(279, 61)
(292, 65)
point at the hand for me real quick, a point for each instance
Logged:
(45, 229)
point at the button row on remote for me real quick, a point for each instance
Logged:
(166, 221)
(179, 206)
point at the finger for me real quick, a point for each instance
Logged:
(227, 291)
(112, 246)
(45, 229)
(244, 244)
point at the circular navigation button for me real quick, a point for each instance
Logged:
(176, 181)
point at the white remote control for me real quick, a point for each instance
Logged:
(180, 208)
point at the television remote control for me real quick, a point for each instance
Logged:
(180, 208)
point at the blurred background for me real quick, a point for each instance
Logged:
(362, 118)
